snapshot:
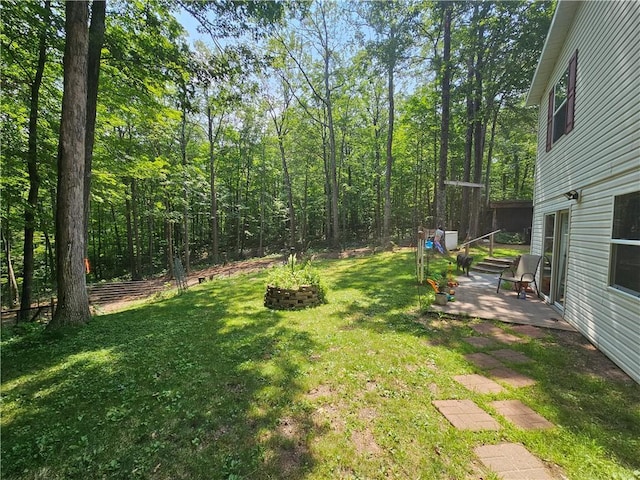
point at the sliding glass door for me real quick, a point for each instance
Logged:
(556, 247)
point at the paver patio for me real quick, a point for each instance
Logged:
(511, 461)
(466, 415)
(476, 297)
(519, 414)
(478, 383)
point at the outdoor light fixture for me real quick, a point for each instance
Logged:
(572, 195)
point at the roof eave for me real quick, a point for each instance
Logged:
(562, 20)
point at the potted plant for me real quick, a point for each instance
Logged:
(293, 286)
(442, 296)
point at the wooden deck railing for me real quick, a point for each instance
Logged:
(490, 235)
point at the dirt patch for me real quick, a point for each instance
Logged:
(592, 361)
(288, 428)
(320, 391)
(365, 443)
(332, 415)
(367, 414)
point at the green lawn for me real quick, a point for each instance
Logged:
(210, 384)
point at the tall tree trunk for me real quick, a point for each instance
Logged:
(168, 234)
(289, 191)
(444, 129)
(73, 301)
(185, 212)
(12, 284)
(305, 204)
(32, 168)
(116, 233)
(479, 129)
(262, 201)
(96, 39)
(333, 175)
(137, 256)
(468, 149)
(98, 262)
(130, 237)
(377, 183)
(487, 174)
(389, 161)
(215, 248)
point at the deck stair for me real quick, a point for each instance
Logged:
(492, 265)
(119, 291)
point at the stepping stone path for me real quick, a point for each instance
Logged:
(466, 415)
(479, 342)
(511, 377)
(518, 413)
(483, 360)
(530, 331)
(496, 333)
(509, 461)
(478, 383)
(510, 356)
(512, 461)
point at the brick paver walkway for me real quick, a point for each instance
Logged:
(511, 461)
(496, 333)
(508, 460)
(479, 383)
(483, 360)
(479, 342)
(510, 356)
(466, 415)
(530, 331)
(511, 377)
(518, 413)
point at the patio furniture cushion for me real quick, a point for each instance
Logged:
(525, 272)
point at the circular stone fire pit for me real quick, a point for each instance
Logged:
(278, 298)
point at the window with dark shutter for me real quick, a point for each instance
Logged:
(562, 101)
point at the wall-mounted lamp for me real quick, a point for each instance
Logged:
(572, 195)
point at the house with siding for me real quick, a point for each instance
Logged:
(586, 219)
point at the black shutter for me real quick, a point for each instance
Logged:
(571, 93)
(550, 121)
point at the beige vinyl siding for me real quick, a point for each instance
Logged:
(601, 158)
(608, 317)
(607, 122)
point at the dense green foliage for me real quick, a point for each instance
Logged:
(284, 124)
(209, 384)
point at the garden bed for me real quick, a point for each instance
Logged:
(278, 298)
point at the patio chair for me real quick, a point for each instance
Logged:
(524, 274)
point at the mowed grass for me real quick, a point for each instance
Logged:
(211, 385)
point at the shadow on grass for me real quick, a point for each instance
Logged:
(596, 407)
(209, 384)
(598, 411)
(197, 386)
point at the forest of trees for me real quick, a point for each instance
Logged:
(309, 124)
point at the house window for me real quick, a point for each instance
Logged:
(562, 101)
(560, 106)
(625, 244)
